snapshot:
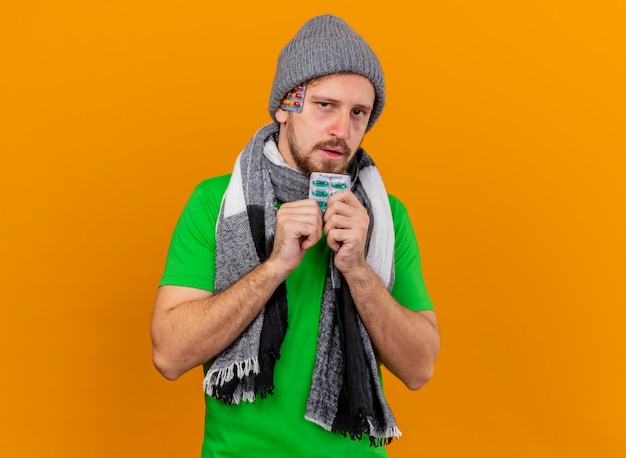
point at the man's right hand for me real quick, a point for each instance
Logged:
(191, 326)
(298, 228)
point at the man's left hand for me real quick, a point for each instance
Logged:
(345, 224)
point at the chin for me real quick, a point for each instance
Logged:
(331, 167)
(324, 166)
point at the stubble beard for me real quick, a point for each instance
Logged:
(303, 161)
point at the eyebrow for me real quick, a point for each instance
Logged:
(322, 98)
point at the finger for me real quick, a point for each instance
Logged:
(346, 217)
(334, 239)
(299, 222)
(344, 203)
(350, 230)
(305, 227)
(301, 204)
(346, 196)
(306, 210)
(338, 221)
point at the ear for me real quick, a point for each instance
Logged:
(281, 115)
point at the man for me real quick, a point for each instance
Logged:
(291, 311)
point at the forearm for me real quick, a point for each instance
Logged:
(405, 341)
(190, 327)
(189, 333)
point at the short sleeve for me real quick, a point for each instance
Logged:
(409, 288)
(191, 256)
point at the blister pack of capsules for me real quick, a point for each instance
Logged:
(323, 185)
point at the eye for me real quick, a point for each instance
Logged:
(358, 113)
(325, 105)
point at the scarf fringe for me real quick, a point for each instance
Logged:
(215, 378)
(377, 437)
(390, 433)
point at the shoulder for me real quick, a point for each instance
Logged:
(203, 204)
(402, 224)
(209, 192)
(215, 185)
(398, 210)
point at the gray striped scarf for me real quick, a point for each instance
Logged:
(345, 395)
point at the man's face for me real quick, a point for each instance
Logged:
(326, 134)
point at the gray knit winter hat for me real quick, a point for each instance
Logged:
(325, 45)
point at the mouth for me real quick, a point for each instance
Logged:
(333, 152)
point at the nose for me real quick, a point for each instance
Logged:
(340, 126)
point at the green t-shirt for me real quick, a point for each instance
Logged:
(275, 426)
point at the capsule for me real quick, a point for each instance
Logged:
(319, 193)
(320, 183)
(339, 185)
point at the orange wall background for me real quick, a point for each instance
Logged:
(504, 134)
